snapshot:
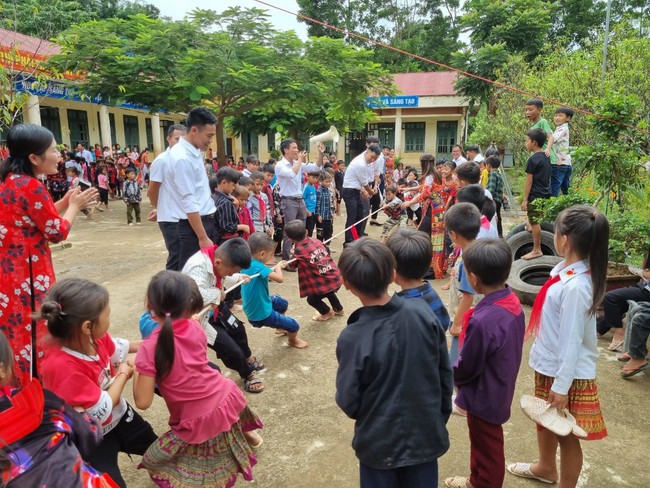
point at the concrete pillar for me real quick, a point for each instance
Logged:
(32, 110)
(155, 130)
(105, 126)
(398, 132)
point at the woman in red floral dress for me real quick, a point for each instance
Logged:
(28, 222)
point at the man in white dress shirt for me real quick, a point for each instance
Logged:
(167, 209)
(355, 181)
(457, 155)
(189, 183)
(474, 154)
(288, 172)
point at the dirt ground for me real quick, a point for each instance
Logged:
(307, 438)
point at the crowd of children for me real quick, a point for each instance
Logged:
(397, 377)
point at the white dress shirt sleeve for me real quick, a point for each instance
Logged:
(182, 176)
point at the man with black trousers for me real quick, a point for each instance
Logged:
(372, 204)
(189, 182)
(355, 182)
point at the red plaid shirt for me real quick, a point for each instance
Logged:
(317, 271)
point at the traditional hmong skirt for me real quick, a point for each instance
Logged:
(216, 463)
(584, 404)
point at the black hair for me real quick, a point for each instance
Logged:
(464, 219)
(295, 230)
(269, 168)
(200, 116)
(235, 252)
(241, 192)
(414, 171)
(489, 208)
(175, 127)
(228, 174)
(428, 166)
(260, 241)
(473, 148)
(413, 184)
(536, 102)
(245, 180)
(367, 266)
(129, 169)
(491, 151)
(440, 162)
(412, 251)
(326, 175)
(374, 148)
(285, 145)
(252, 158)
(386, 147)
(74, 169)
(459, 147)
(171, 295)
(212, 183)
(402, 182)
(391, 188)
(372, 140)
(69, 303)
(474, 194)
(565, 110)
(69, 154)
(537, 135)
(493, 161)
(315, 173)
(469, 172)
(489, 259)
(257, 175)
(588, 232)
(24, 140)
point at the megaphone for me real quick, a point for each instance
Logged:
(331, 135)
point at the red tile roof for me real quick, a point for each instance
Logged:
(437, 83)
(10, 39)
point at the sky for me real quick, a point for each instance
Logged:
(178, 9)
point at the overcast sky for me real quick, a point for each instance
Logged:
(178, 9)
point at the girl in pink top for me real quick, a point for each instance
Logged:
(212, 429)
(102, 183)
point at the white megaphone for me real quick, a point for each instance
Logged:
(331, 135)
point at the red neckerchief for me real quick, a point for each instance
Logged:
(510, 303)
(262, 208)
(25, 414)
(209, 251)
(536, 314)
(485, 223)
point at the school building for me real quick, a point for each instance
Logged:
(55, 104)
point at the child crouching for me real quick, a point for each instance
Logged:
(260, 307)
(318, 276)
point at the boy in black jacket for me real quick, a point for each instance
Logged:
(394, 376)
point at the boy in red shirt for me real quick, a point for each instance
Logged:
(318, 275)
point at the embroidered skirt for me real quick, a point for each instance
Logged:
(216, 463)
(584, 404)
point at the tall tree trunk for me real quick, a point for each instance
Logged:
(221, 141)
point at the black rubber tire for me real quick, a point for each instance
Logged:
(522, 243)
(547, 226)
(528, 276)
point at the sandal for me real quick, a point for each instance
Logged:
(628, 373)
(250, 383)
(257, 365)
(523, 471)
(616, 345)
(561, 422)
(456, 482)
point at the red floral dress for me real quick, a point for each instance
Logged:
(28, 222)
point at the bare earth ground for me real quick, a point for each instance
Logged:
(307, 438)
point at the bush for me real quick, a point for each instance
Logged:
(629, 237)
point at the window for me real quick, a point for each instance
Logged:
(166, 124)
(386, 134)
(271, 141)
(249, 143)
(149, 130)
(414, 136)
(50, 120)
(131, 131)
(78, 125)
(303, 142)
(446, 138)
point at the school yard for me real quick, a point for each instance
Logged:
(306, 437)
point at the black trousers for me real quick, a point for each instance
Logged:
(132, 435)
(170, 235)
(615, 305)
(375, 202)
(310, 222)
(497, 203)
(232, 348)
(354, 209)
(325, 231)
(317, 302)
(188, 243)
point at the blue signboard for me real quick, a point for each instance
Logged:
(393, 102)
(53, 89)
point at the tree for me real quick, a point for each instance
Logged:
(233, 62)
(47, 19)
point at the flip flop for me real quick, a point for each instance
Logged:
(616, 346)
(523, 471)
(631, 372)
(456, 482)
(624, 358)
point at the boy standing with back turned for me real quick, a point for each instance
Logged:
(394, 377)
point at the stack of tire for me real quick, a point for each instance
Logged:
(528, 276)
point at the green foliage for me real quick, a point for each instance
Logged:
(629, 236)
(551, 207)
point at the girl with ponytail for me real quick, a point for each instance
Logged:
(89, 370)
(212, 430)
(564, 353)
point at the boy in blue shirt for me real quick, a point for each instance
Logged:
(309, 195)
(261, 308)
(412, 250)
